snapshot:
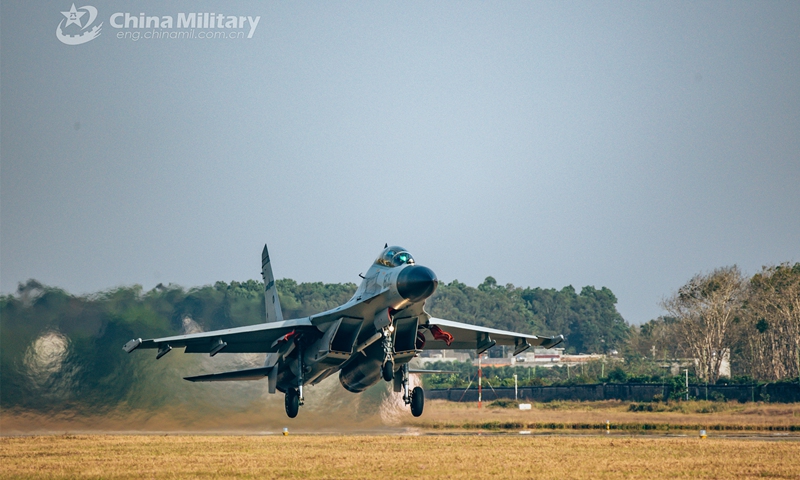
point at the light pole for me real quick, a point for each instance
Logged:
(515, 388)
(687, 384)
(480, 376)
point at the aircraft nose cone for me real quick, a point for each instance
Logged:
(416, 283)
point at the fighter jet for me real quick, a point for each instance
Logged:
(372, 336)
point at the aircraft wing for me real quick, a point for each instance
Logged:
(260, 338)
(445, 334)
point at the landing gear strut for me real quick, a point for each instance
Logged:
(415, 398)
(387, 369)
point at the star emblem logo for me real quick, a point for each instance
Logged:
(73, 16)
(81, 33)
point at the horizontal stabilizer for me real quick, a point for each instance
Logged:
(247, 374)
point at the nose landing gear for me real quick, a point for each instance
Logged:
(387, 369)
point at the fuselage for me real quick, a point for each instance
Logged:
(385, 308)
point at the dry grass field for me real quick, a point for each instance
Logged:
(451, 440)
(355, 456)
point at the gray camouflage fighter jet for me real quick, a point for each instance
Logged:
(372, 336)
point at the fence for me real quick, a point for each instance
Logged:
(632, 392)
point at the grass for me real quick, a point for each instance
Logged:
(332, 456)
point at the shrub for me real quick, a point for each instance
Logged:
(504, 403)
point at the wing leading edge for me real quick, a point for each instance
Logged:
(473, 337)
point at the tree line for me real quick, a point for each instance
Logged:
(589, 320)
(754, 323)
(52, 341)
(56, 343)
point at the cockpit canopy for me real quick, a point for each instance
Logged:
(394, 257)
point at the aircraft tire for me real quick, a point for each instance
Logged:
(417, 401)
(388, 371)
(292, 400)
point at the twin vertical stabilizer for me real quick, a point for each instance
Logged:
(271, 300)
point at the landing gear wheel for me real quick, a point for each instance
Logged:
(292, 400)
(417, 401)
(388, 371)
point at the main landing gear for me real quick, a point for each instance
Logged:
(294, 396)
(417, 401)
(415, 398)
(292, 401)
